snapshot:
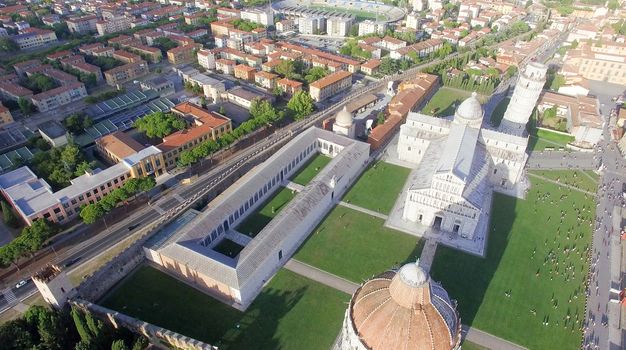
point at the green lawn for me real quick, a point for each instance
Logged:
(356, 246)
(378, 187)
(254, 223)
(444, 102)
(310, 169)
(498, 113)
(525, 244)
(291, 312)
(471, 346)
(574, 178)
(229, 248)
(541, 139)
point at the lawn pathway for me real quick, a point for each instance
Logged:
(561, 184)
(321, 276)
(470, 334)
(363, 210)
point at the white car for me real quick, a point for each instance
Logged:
(21, 284)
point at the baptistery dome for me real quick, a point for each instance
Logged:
(469, 112)
(401, 310)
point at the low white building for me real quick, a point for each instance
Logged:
(190, 255)
(369, 27)
(258, 15)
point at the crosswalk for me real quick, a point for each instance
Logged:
(9, 296)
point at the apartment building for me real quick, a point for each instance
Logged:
(370, 67)
(82, 24)
(12, 91)
(422, 48)
(126, 72)
(330, 85)
(262, 16)
(34, 37)
(152, 54)
(183, 54)
(339, 26)
(206, 58)
(225, 66)
(125, 56)
(113, 25)
(265, 79)
(244, 97)
(205, 126)
(289, 86)
(60, 96)
(371, 27)
(312, 24)
(244, 72)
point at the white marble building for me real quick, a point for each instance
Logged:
(457, 163)
(344, 123)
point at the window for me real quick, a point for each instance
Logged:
(280, 254)
(57, 210)
(88, 194)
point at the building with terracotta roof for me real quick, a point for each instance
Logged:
(244, 72)
(581, 114)
(370, 67)
(411, 94)
(225, 66)
(126, 72)
(289, 86)
(604, 62)
(82, 24)
(34, 37)
(117, 146)
(330, 85)
(59, 96)
(126, 57)
(113, 25)
(183, 54)
(151, 54)
(400, 309)
(265, 79)
(12, 91)
(205, 126)
(422, 48)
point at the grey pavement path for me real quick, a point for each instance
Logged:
(472, 334)
(321, 276)
(293, 186)
(487, 340)
(428, 254)
(561, 184)
(363, 210)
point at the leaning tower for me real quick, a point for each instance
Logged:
(527, 90)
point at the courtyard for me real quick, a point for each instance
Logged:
(292, 312)
(229, 248)
(378, 187)
(309, 170)
(356, 246)
(256, 221)
(530, 288)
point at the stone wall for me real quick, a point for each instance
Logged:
(155, 334)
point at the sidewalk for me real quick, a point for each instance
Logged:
(363, 210)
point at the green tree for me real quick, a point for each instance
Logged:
(9, 217)
(39, 82)
(8, 45)
(118, 345)
(263, 111)
(222, 110)
(300, 105)
(285, 68)
(90, 213)
(26, 107)
(315, 74)
(140, 344)
(81, 325)
(388, 66)
(146, 184)
(557, 82)
(70, 155)
(159, 124)
(380, 118)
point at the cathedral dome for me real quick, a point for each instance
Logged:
(469, 111)
(344, 118)
(404, 310)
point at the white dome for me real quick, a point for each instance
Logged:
(413, 275)
(344, 118)
(470, 111)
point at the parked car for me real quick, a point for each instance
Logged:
(21, 283)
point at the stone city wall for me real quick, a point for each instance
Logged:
(155, 334)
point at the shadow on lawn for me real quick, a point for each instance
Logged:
(258, 326)
(466, 277)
